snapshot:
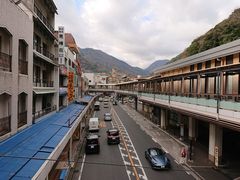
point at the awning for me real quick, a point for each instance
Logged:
(44, 91)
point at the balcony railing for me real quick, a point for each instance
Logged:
(23, 66)
(44, 52)
(22, 118)
(43, 19)
(43, 112)
(5, 62)
(42, 83)
(5, 125)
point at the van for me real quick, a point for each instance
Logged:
(93, 124)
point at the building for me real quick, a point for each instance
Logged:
(70, 70)
(45, 60)
(16, 62)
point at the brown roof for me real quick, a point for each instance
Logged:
(70, 42)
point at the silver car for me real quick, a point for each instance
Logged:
(107, 117)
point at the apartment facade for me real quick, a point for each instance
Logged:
(70, 71)
(16, 61)
(45, 59)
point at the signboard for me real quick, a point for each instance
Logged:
(216, 156)
(70, 86)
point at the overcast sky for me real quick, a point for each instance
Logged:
(140, 31)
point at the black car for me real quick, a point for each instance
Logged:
(157, 158)
(113, 136)
(92, 144)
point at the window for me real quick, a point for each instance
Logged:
(199, 66)
(61, 36)
(208, 64)
(61, 43)
(217, 62)
(192, 67)
(229, 59)
(60, 49)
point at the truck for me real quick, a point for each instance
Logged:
(93, 124)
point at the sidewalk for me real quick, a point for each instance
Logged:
(200, 168)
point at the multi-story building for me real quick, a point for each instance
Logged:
(16, 59)
(69, 89)
(45, 61)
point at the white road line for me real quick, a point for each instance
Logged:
(140, 164)
(187, 172)
(165, 150)
(81, 170)
(154, 140)
(176, 161)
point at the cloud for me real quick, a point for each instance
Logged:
(140, 31)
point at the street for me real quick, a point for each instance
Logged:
(126, 160)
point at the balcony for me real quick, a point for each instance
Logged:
(42, 83)
(43, 19)
(22, 118)
(23, 66)
(44, 52)
(5, 62)
(5, 125)
(43, 112)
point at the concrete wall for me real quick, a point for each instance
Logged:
(20, 25)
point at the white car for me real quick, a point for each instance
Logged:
(107, 117)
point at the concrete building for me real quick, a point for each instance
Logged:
(16, 61)
(196, 99)
(69, 64)
(45, 60)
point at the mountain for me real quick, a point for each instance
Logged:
(93, 60)
(226, 31)
(155, 65)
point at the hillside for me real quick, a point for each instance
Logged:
(226, 31)
(155, 65)
(98, 61)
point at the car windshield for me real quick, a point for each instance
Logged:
(113, 133)
(155, 152)
(92, 141)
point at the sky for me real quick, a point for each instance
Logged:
(140, 31)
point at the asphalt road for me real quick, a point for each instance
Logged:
(125, 161)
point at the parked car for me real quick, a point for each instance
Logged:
(92, 144)
(157, 158)
(107, 117)
(113, 136)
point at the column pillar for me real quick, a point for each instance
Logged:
(136, 103)
(192, 128)
(163, 118)
(215, 143)
(70, 150)
(181, 126)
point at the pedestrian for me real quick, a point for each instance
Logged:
(183, 155)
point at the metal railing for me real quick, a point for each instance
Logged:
(44, 52)
(42, 83)
(22, 118)
(23, 66)
(43, 112)
(43, 19)
(5, 62)
(5, 125)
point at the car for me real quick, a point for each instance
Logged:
(114, 102)
(157, 158)
(113, 136)
(92, 144)
(105, 104)
(107, 117)
(100, 99)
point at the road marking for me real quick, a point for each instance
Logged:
(165, 150)
(81, 169)
(123, 129)
(176, 161)
(187, 172)
(154, 140)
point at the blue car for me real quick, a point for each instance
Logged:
(157, 158)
